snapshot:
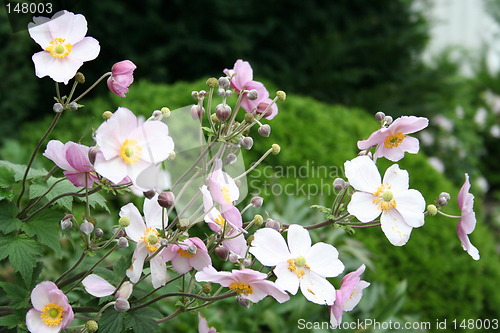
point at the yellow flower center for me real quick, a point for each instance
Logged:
(52, 314)
(130, 151)
(220, 220)
(384, 198)
(184, 253)
(58, 49)
(225, 194)
(241, 288)
(297, 266)
(394, 140)
(151, 239)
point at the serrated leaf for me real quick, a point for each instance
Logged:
(9, 321)
(208, 131)
(23, 254)
(95, 200)
(18, 171)
(6, 193)
(6, 177)
(62, 186)
(8, 221)
(111, 321)
(18, 296)
(45, 226)
(142, 321)
(322, 209)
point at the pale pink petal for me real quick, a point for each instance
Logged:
(299, 240)
(363, 207)
(392, 154)
(244, 74)
(410, 144)
(271, 289)
(336, 312)
(40, 294)
(203, 325)
(362, 174)
(201, 260)
(317, 289)
(411, 205)
(85, 50)
(232, 216)
(398, 179)
(34, 323)
(113, 169)
(286, 280)
(135, 270)
(355, 295)
(56, 152)
(323, 259)
(77, 156)
(209, 274)
(467, 245)
(137, 227)
(40, 31)
(395, 228)
(158, 271)
(63, 69)
(114, 131)
(181, 264)
(269, 247)
(97, 286)
(409, 124)
(272, 110)
(80, 179)
(134, 170)
(72, 28)
(237, 245)
(153, 137)
(375, 138)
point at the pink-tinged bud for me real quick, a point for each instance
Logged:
(233, 257)
(339, 184)
(166, 199)
(122, 242)
(388, 120)
(264, 130)
(257, 201)
(125, 290)
(68, 216)
(122, 305)
(222, 252)
(98, 232)
(149, 194)
(121, 233)
(93, 153)
(157, 115)
(230, 158)
(66, 224)
(247, 262)
(122, 76)
(221, 92)
(247, 143)
(58, 108)
(273, 224)
(223, 112)
(86, 227)
(379, 116)
(243, 301)
(253, 95)
(197, 112)
(224, 82)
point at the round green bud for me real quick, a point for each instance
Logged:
(258, 220)
(91, 326)
(106, 115)
(275, 149)
(214, 118)
(281, 95)
(79, 77)
(212, 82)
(206, 288)
(183, 224)
(249, 118)
(165, 111)
(432, 210)
(124, 221)
(250, 240)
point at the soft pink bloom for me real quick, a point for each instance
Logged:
(299, 264)
(51, 311)
(272, 110)
(122, 76)
(182, 260)
(392, 142)
(402, 209)
(467, 221)
(348, 296)
(248, 283)
(129, 146)
(65, 47)
(144, 232)
(203, 325)
(97, 286)
(222, 187)
(73, 158)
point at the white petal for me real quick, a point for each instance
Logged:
(269, 247)
(35, 323)
(363, 207)
(69, 26)
(134, 272)
(323, 260)
(299, 240)
(395, 177)
(411, 205)
(40, 31)
(362, 174)
(317, 289)
(153, 137)
(85, 50)
(153, 213)
(395, 228)
(97, 286)
(158, 271)
(114, 169)
(136, 228)
(286, 280)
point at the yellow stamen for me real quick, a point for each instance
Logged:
(394, 140)
(220, 220)
(151, 239)
(58, 49)
(226, 194)
(384, 198)
(241, 288)
(184, 253)
(130, 151)
(52, 314)
(297, 266)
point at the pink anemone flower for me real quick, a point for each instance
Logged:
(190, 253)
(467, 222)
(121, 77)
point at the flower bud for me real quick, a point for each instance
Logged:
(192, 249)
(230, 158)
(228, 93)
(445, 195)
(221, 92)
(432, 210)
(122, 242)
(247, 262)
(212, 82)
(379, 116)
(106, 115)
(249, 118)
(206, 288)
(79, 77)
(93, 153)
(202, 94)
(441, 201)
(252, 95)
(273, 224)
(388, 120)
(91, 325)
(57, 107)
(222, 252)
(197, 112)
(120, 233)
(339, 184)
(243, 301)
(165, 111)
(233, 257)
(264, 130)
(157, 115)
(258, 220)
(275, 149)
(73, 106)
(163, 242)
(122, 76)
(125, 290)
(98, 232)
(86, 227)
(166, 199)
(122, 305)
(247, 143)
(281, 95)
(224, 82)
(194, 94)
(124, 221)
(183, 224)
(171, 156)
(223, 112)
(66, 224)
(149, 194)
(257, 201)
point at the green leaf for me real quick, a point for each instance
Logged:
(95, 200)
(322, 209)
(18, 296)
(18, 171)
(23, 254)
(45, 226)
(208, 131)
(6, 177)
(6, 193)
(8, 221)
(10, 321)
(111, 321)
(142, 320)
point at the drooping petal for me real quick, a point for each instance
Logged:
(299, 240)
(363, 207)
(210, 274)
(97, 286)
(467, 245)
(362, 174)
(323, 259)
(237, 245)
(271, 289)
(158, 271)
(77, 156)
(286, 279)
(317, 289)
(398, 179)
(411, 205)
(135, 270)
(269, 247)
(395, 228)
(135, 230)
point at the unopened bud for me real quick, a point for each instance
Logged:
(93, 154)
(432, 210)
(124, 221)
(339, 184)
(165, 111)
(281, 95)
(441, 201)
(106, 115)
(221, 252)
(157, 114)
(122, 242)
(163, 242)
(183, 224)
(252, 95)
(86, 227)
(91, 325)
(79, 77)
(125, 290)
(192, 249)
(230, 158)
(166, 199)
(249, 118)
(224, 82)
(221, 92)
(233, 257)
(388, 120)
(197, 112)
(257, 201)
(228, 93)
(98, 232)
(73, 106)
(273, 224)
(194, 94)
(275, 149)
(171, 156)
(122, 305)
(445, 195)
(379, 116)
(223, 112)
(212, 82)
(66, 224)
(214, 118)
(264, 130)
(149, 194)
(247, 143)
(202, 94)
(365, 153)
(247, 262)
(206, 288)
(258, 220)
(58, 108)
(119, 233)
(243, 301)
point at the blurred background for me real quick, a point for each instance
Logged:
(339, 62)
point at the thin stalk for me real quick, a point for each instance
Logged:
(269, 151)
(92, 86)
(75, 265)
(181, 294)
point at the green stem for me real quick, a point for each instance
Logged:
(203, 298)
(92, 86)
(84, 254)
